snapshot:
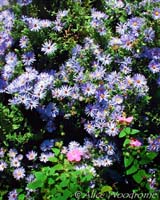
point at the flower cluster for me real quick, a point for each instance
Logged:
(29, 87)
(78, 154)
(154, 144)
(14, 162)
(7, 21)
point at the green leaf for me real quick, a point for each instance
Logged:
(53, 191)
(64, 176)
(51, 181)
(15, 126)
(58, 167)
(138, 177)
(133, 168)
(58, 188)
(61, 157)
(21, 197)
(148, 157)
(127, 130)
(53, 159)
(56, 151)
(122, 19)
(45, 170)
(40, 176)
(134, 131)
(66, 194)
(58, 196)
(64, 183)
(73, 186)
(127, 141)
(128, 161)
(87, 178)
(151, 155)
(35, 184)
(122, 133)
(106, 188)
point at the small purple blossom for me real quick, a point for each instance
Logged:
(23, 42)
(117, 99)
(12, 153)
(3, 165)
(19, 173)
(45, 23)
(139, 80)
(50, 126)
(149, 35)
(34, 24)
(31, 155)
(154, 144)
(88, 89)
(15, 162)
(47, 145)
(156, 13)
(127, 41)
(90, 127)
(152, 183)
(104, 161)
(28, 58)
(2, 152)
(154, 66)
(51, 110)
(11, 58)
(49, 47)
(111, 129)
(30, 178)
(44, 157)
(135, 23)
(13, 195)
(65, 91)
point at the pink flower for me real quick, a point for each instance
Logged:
(124, 120)
(74, 155)
(135, 143)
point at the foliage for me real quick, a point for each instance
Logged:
(137, 159)
(61, 180)
(13, 127)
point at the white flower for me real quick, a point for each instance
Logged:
(3, 165)
(19, 173)
(49, 47)
(15, 162)
(31, 155)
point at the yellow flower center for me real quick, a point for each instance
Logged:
(156, 13)
(134, 23)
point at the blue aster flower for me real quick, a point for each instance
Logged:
(149, 34)
(154, 66)
(28, 58)
(49, 47)
(23, 42)
(50, 126)
(3, 85)
(47, 144)
(156, 13)
(135, 23)
(154, 144)
(13, 195)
